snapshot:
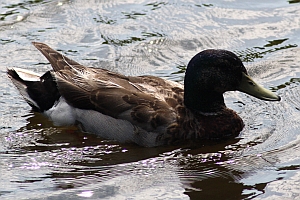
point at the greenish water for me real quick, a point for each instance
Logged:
(41, 161)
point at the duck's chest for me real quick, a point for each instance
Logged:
(206, 126)
(220, 126)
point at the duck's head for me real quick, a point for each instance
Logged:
(210, 73)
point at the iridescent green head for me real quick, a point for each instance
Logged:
(212, 72)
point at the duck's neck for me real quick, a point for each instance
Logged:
(204, 101)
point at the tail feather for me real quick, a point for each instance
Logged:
(57, 60)
(40, 93)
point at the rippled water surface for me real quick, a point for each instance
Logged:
(135, 37)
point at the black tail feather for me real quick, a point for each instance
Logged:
(41, 95)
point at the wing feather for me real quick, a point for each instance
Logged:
(146, 101)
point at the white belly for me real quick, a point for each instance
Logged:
(63, 114)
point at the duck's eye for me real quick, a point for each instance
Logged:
(251, 83)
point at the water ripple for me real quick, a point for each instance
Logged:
(159, 38)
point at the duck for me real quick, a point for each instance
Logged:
(146, 110)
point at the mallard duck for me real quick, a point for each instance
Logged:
(145, 110)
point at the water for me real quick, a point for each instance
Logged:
(135, 37)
